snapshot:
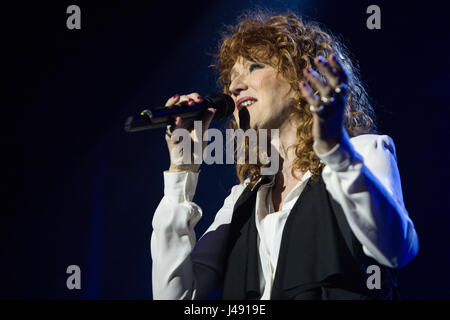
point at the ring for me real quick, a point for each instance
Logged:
(327, 100)
(315, 109)
(340, 87)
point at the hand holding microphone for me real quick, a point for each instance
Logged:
(181, 112)
(161, 117)
(192, 99)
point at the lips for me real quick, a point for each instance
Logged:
(242, 102)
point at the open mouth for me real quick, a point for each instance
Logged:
(246, 104)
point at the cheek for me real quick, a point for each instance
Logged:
(274, 90)
(272, 85)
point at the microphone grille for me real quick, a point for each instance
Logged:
(223, 103)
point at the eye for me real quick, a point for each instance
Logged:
(254, 66)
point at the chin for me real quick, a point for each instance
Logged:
(262, 125)
(256, 125)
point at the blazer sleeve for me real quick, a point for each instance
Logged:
(184, 268)
(361, 174)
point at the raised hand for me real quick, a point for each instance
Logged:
(328, 105)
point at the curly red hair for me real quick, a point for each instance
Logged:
(294, 44)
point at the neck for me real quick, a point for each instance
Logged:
(287, 138)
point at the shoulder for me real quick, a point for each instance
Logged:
(374, 144)
(379, 156)
(237, 190)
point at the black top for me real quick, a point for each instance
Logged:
(319, 258)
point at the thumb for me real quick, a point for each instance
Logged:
(207, 117)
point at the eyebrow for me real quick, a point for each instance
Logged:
(233, 71)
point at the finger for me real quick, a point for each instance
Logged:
(178, 123)
(169, 103)
(308, 94)
(190, 99)
(194, 98)
(337, 65)
(187, 124)
(327, 70)
(184, 100)
(172, 127)
(207, 117)
(172, 100)
(197, 97)
(316, 81)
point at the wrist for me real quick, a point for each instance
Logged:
(327, 136)
(324, 146)
(184, 167)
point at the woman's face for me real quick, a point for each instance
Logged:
(261, 95)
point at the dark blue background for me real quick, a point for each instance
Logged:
(79, 190)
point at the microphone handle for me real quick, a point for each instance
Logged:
(162, 117)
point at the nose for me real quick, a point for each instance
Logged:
(238, 85)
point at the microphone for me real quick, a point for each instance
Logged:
(161, 117)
